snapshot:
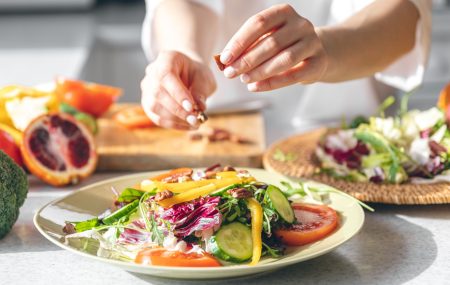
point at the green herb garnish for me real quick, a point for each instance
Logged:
(389, 101)
(279, 155)
(318, 193)
(129, 195)
(85, 225)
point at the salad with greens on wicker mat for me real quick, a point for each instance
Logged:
(411, 146)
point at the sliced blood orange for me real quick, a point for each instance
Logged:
(58, 149)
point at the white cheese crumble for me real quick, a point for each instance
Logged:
(420, 151)
(427, 119)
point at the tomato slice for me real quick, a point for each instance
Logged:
(87, 97)
(314, 222)
(163, 257)
(133, 117)
(173, 174)
(9, 146)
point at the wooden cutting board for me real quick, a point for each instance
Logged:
(121, 149)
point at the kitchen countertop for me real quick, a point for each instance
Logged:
(397, 245)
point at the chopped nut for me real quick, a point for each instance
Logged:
(228, 168)
(69, 228)
(166, 194)
(219, 135)
(240, 193)
(212, 167)
(220, 65)
(202, 117)
(195, 136)
(210, 174)
(240, 140)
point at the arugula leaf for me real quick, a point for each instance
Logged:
(272, 251)
(85, 225)
(129, 195)
(143, 210)
(232, 208)
(149, 219)
(157, 235)
(279, 155)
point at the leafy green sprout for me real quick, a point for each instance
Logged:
(150, 222)
(279, 155)
(318, 193)
(389, 101)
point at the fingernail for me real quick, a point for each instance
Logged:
(187, 105)
(245, 78)
(229, 72)
(225, 56)
(252, 87)
(192, 120)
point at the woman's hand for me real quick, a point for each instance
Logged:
(175, 89)
(275, 48)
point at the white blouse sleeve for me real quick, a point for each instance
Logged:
(407, 72)
(147, 36)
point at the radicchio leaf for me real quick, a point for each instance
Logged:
(135, 236)
(198, 215)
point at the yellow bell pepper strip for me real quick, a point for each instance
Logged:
(188, 195)
(257, 225)
(189, 185)
(17, 135)
(148, 185)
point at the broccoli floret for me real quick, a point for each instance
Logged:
(13, 191)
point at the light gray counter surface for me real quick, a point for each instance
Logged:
(397, 245)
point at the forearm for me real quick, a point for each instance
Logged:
(186, 27)
(370, 40)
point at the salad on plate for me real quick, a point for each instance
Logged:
(205, 218)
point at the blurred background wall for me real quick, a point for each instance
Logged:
(100, 41)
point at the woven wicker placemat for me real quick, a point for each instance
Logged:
(305, 165)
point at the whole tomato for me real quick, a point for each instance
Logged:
(9, 146)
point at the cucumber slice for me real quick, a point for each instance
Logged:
(280, 204)
(122, 212)
(233, 242)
